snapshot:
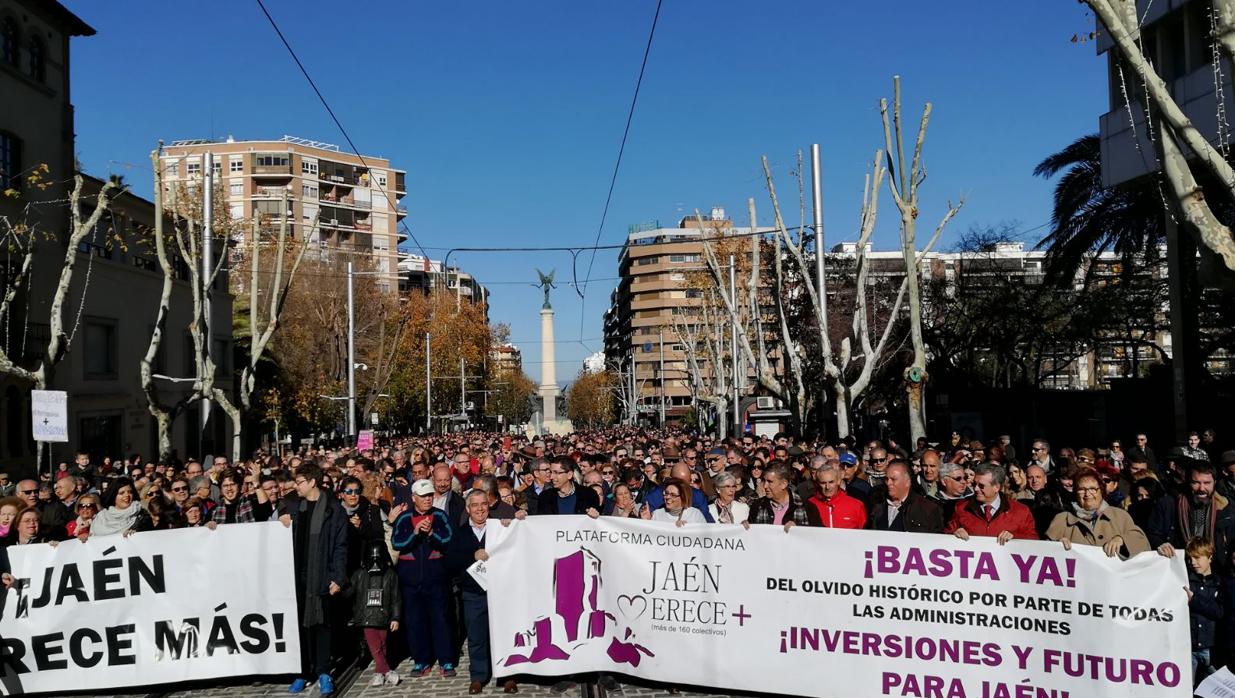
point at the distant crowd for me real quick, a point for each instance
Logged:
(382, 538)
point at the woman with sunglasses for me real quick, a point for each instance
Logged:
(86, 507)
(364, 521)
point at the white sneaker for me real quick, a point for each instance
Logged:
(377, 680)
(392, 678)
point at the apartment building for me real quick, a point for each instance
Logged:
(421, 274)
(654, 290)
(354, 199)
(507, 359)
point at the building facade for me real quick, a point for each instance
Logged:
(658, 269)
(354, 199)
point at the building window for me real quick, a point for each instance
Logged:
(236, 165)
(381, 181)
(10, 161)
(235, 190)
(309, 190)
(173, 170)
(270, 160)
(309, 167)
(100, 349)
(216, 168)
(38, 59)
(10, 39)
(194, 168)
(100, 436)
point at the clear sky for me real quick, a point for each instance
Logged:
(507, 115)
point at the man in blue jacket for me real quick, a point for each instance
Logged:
(681, 471)
(319, 546)
(422, 536)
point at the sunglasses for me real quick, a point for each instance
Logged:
(180, 489)
(87, 506)
(28, 492)
(351, 490)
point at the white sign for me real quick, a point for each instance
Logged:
(152, 608)
(847, 614)
(49, 415)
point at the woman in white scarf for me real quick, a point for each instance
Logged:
(122, 514)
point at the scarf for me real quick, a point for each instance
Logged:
(724, 513)
(1086, 515)
(111, 520)
(314, 612)
(1184, 509)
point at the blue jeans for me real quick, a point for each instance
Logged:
(1200, 666)
(476, 617)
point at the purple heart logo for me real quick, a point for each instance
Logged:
(632, 606)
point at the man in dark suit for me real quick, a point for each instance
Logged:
(444, 496)
(902, 509)
(565, 497)
(468, 546)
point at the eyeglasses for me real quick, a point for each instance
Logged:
(351, 491)
(302, 481)
(960, 478)
(29, 492)
(87, 506)
(557, 472)
(180, 489)
(669, 494)
(1088, 490)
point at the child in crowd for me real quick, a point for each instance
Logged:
(1204, 605)
(376, 607)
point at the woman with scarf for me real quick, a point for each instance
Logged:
(1091, 521)
(121, 514)
(726, 508)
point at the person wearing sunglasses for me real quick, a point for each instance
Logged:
(953, 488)
(86, 507)
(364, 521)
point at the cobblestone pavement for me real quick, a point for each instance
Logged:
(433, 686)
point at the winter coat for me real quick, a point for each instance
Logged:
(332, 562)
(841, 511)
(422, 557)
(1011, 516)
(1205, 609)
(1164, 527)
(376, 599)
(917, 515)
(1111, 522)
(359, 538)
(585, 498)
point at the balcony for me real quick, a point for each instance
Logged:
(271, 192)
(401, 211)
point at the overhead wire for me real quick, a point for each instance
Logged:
(630, 116)
(355, 151)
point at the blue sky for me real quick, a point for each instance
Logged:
(507, 115)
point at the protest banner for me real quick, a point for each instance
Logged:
(839, 613)
(150, 608)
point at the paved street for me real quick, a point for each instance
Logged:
(429, 687)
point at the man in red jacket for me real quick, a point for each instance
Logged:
(831, 507)
(989, 513)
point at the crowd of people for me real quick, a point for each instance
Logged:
(382, 538)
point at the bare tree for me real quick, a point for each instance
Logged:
(262, 325)
(904, 179)
(23, 237)
(1174, 129)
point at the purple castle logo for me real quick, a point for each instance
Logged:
(576, 607)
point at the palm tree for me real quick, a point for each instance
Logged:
(1089, 218)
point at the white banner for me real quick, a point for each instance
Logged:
(153, 608)
(823, 612)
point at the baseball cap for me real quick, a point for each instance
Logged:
(848, 458)
(422, 487)
(717, 453)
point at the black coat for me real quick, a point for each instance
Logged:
(462, 553)
(456, 510)
(332, 562)
(1164, 528)
(585, 498)
(358, 538)
(918, 515)
(1205, 609)
(383, 587)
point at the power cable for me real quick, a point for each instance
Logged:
(630, 116)
(355, 151)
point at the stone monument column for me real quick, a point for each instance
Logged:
(548, 369)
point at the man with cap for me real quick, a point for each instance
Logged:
(422, 535)
(715, 460)
(855, 486)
